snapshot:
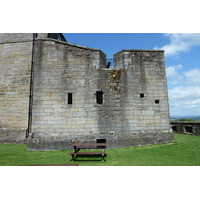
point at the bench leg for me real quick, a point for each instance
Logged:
(103, 157)
(103, 151)
(72, 157)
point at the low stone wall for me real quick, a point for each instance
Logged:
(189, 128)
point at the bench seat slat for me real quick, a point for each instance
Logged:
(92, 145)
(86, 153)
(89, 147)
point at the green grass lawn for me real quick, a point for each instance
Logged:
(184, 151)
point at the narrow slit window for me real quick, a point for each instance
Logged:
(141, 95)
(99, 97)
(69, 98)
(157, 101)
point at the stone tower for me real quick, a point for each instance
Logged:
(77, 99)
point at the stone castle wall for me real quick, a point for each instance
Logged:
(67, 81)
(19, 37)
(15, 65)
(15, 70)
(62, 69)
(22, 37)
(135, 102)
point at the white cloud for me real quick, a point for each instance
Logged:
(184, 98)
(180, 42)
(184, 86)
(185, 93)
(174, 74)
(192, 76)
(172, 71)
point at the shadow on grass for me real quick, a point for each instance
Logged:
(88, 158)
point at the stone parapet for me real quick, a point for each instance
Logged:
(189, 128)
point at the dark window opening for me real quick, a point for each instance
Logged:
(69, 98)
(141, 95)
(189, 129)
(101, 140)
(99, 97)
(157, 101)
(174, 128)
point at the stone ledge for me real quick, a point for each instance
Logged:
(139, 50)
(70, 44)
(54, 40)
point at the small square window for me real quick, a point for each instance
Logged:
(157, 101)
(141, 95)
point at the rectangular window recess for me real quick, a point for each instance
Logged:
(189, 129)
(174, 128)
(69, 98)
(141, 95)
(157, 101)
(99, 97)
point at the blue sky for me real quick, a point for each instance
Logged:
(182, 61)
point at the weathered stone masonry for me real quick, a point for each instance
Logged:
(76, 98)
(15, 61)
(15, 69)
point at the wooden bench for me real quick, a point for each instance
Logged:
(78, 146)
